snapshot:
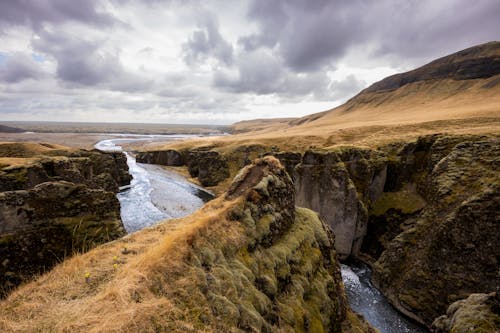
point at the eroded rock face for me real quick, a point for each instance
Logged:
(284, 273)
(448, 248)
(41, 226)
(163, 157)
(339, 186)
(209, 166)
(99, 170)
(476, 313)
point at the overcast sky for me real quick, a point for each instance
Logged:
(215, 61)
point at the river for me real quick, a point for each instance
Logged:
(365, 299)
(156, 194)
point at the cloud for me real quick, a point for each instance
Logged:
(84, 62)
(215, 60)
(207, 42)
(35, 13)
(18, 67)
(310, 35)
(260, 72)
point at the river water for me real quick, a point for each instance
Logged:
(156, 194)
(365, 299)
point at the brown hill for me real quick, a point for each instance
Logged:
(456, 94)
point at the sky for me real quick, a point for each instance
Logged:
(214, 61)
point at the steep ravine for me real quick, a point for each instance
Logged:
(423, 214)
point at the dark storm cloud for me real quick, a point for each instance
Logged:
(207, 42)
(311, 34)
(83, 62)
(19, 67)
(261, 73)
(34, 13)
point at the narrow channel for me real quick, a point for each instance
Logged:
(365, 299)
(156, 194)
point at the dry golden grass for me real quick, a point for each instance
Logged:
(111, 290)
(28, 149)
(374, 119)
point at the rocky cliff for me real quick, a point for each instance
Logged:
(54, 205)
(209, 166)
(95, 169)
(448, 244)
(42, 226)
(477, 313)
(247, 261)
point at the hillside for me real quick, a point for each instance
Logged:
(459, 93)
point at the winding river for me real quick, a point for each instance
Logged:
(157, 194)
(154, 194)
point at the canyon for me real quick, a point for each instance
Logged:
(403, 177)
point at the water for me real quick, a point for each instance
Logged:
(154, 194)
(365, 299)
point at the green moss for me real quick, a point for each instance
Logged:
(407, 201)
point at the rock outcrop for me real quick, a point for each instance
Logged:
(209, 166)
(423, 214)
(477, 313)
(340, 185)
(54, 206)
(448, 247)
(99, 170)
(42, 226)
(163, 157)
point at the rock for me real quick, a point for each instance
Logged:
(334, 184)
(247, 261)
(289, 160)
(163, 157)
(209, 166)
(447, 247)
(39, 227)
(100, 170)
(476, 313)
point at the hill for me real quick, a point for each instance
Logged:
(457, 94)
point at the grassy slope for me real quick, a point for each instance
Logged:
(457, 94)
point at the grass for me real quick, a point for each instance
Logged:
(87, 293)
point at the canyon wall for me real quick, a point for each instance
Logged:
(54, 206)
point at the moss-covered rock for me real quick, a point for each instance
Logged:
(448, 249)
(168, 157)
(209, 166)
(99, 170)
(281, 275)
(477, 313)
(41, 226)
